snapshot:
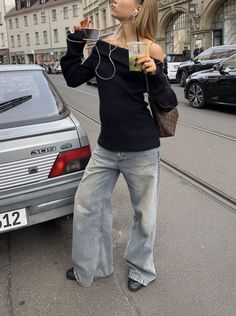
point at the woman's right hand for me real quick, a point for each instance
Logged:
(82, 24)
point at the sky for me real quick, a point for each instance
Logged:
(9, 4)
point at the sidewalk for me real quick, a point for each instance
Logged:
(195, 258)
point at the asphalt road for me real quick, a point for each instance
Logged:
(195, 250)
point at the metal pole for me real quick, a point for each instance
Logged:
(50, 34)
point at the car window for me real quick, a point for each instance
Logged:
(44, 105)
(218, 54)
(204, 55)
(230, 63)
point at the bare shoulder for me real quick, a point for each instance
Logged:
(156, 51)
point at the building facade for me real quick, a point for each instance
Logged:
(187, 24)
(37, 29)
(4, 51)
(183, 24)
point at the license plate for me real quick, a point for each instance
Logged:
(13, 219)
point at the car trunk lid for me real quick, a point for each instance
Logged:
(28, 159)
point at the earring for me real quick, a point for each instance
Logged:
(134, 15)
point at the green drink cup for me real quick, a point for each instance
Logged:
(135, 49)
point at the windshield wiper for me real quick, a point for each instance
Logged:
(7, 105)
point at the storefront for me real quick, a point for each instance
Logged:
(17, 58)
(4, 56)
(224, 24)
(42, 56)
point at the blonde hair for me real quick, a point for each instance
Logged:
(146, 21)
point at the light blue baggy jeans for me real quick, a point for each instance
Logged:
(92, 225)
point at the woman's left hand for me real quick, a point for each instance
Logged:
(148, 64)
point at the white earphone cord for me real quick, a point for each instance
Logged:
(110, 49)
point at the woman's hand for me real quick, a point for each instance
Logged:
(148, 64)
(82, 24)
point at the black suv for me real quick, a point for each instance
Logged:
(206, 60)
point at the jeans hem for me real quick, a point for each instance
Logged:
(137, 279)
(79, 282)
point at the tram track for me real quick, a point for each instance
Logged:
(215, 133)
(199, 184)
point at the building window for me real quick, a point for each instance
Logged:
(75, 10)
(224, 24)
(55, 32)
(54, 14)
(2, 39)
(104, 16)
(91, 19)
(67, 30)
(25, 20)
(18, 41)
(18, 4)
(177, 37)
(10, 24)
(27, 37)
(35, 19)
(12, 42)
(0, 18)
(45, 37)
(43, 17)
(27, 3)
(37, 38)
(66, 12)
(17, 22)
(97, 20)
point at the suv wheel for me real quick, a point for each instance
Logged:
(196, 95)
(183, 78)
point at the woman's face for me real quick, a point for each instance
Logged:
(121, 9)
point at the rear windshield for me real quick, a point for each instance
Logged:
(45, 104)
(175, 58)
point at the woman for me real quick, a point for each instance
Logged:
(128, 144)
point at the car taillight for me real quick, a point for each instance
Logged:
(70, 161)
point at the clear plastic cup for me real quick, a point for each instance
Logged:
(135, 49)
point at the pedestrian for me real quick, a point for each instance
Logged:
(196, 51)
(128, 144)
(201, 49)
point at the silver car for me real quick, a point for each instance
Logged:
(43, 149)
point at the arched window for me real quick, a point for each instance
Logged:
(178, 33)
(224, 24)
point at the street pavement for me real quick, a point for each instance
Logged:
(195, 250)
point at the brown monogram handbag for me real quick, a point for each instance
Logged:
(163, 107)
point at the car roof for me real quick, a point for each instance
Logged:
(19, 67)
(222, 46)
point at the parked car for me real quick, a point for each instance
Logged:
(92, 82)
(206, 60)
(43, 152)
(216, 85)
(173, 61)
(47, 67)
(56, 68)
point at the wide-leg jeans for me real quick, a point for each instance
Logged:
(92, 225)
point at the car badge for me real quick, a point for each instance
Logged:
(66, 146)
(43, 151)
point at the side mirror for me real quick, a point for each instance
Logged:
(217, 67)
(224, 71)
